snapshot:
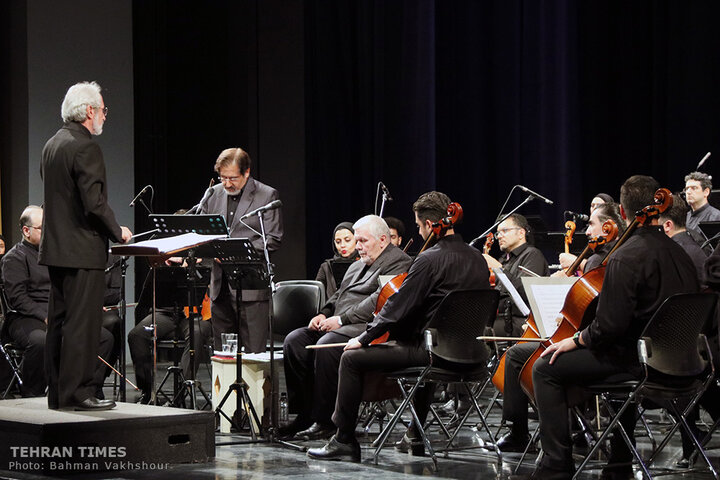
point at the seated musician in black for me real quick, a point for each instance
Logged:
(515, 401)
(448, 266)
(640, 275)
(27, 286)
(673, 223)
(513, 236)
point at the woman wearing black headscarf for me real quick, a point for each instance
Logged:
(333, 269)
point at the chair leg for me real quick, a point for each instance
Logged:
(698, 446)
(408, 396)
(613, 423)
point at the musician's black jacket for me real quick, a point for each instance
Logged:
(450, 265)
(640, 276)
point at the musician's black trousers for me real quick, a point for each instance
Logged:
(515, 402)
(73, 334)
(312, 375)
(552, 382)
(355, 364)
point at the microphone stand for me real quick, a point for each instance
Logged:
(484, 234)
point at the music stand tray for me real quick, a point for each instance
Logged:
(206, 224)
(709, 229)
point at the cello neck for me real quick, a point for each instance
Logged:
(576, 264)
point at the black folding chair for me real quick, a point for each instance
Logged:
(451, 336)
(677, 366)
(295, 302)
(10, 351)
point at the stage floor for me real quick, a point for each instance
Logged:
(275, 462)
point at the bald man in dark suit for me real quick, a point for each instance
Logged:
(237, 194)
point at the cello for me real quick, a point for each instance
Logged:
(489, 240)
(576, 313)
(532, 333)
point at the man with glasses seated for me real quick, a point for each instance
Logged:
(237, 194)
(27, 286)
(512, 236)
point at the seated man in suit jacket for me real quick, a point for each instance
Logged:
(312, 376)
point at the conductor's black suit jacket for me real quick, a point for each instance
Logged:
(78, 222)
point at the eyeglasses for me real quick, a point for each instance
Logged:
(31, 226)
(103, 109)
(503, 231)
(228, 179)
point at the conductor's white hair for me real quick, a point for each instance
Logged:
(77, 98)
(376, 226)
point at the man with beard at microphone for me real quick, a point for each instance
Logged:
(236, 195)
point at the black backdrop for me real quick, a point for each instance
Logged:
(467, 97)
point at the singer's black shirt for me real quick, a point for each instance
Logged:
(640, 276)
(232, 204)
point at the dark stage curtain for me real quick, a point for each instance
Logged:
(470, 98)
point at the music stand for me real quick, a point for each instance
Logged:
(243, 266)
(190, 232)
(171, 285)
(711, 231)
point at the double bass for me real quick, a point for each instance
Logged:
(532, 333)
(576, 313)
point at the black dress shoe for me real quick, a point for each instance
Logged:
(93, 404)
(288, 431)
(335, 450)
(448, 409)
(415, 446)
(512, 442)
(316, 431)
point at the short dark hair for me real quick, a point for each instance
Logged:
(431, 206)
(704, 179)
(233, 156)
(521, 221)
(611, 211)
(637, 193)
(677, 213)
(397, 224)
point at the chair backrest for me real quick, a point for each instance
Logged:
(295, 302)
(669, 343)
(459, 320)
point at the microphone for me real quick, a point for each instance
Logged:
(270, 206)
(577, 216)
(536, 195)
(137, 197)
(385, 190)
(208, 193)
(704, 159)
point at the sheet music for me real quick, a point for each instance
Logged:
(514, 295)
(547, 297)
(162, 246)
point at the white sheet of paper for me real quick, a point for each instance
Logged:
(164, 245)
(547, 297)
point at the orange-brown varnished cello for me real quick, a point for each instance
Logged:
(576, 313)
(455, 213)
(531, 332)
